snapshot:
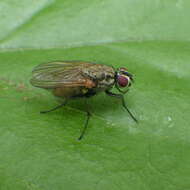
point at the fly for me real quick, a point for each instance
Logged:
(77, 79)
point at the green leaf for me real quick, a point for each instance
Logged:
(151, 39)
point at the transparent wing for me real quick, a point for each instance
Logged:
(59, 74)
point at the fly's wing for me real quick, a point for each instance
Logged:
(59, 74)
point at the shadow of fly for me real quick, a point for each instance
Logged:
(77, 79)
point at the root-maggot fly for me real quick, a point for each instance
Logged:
(76, 79)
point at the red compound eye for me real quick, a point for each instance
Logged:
(123, 81)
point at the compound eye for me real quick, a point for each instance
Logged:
(123, 80)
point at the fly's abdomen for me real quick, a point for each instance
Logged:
(67, 92)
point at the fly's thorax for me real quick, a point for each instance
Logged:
(105, 83)
(102, 75)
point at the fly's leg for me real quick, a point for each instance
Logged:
(124, 92)
(57, 107)
(121, 97)
(86, 124)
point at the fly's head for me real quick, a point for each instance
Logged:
(123, 79)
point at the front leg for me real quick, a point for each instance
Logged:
(121, 97)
